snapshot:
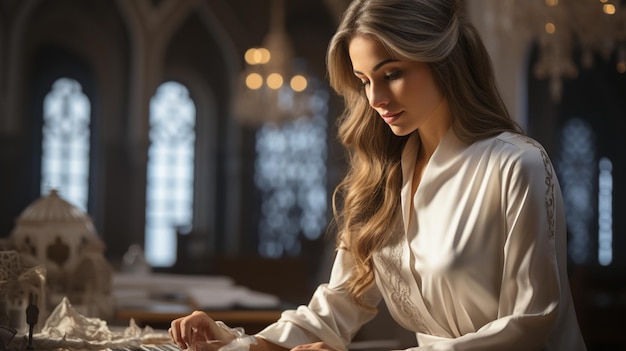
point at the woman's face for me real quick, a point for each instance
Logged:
(404, 93)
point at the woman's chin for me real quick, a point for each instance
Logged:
(400, 131)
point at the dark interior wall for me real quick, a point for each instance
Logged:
(81, 40)
(95, 43)
(595, 96)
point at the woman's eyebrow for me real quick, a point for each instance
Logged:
(378, 65)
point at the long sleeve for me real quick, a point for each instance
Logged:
(330, 315)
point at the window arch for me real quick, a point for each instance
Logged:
(170, 172)
(66, 140)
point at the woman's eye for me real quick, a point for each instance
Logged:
(392, 75)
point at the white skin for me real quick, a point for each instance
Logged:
(406, 96)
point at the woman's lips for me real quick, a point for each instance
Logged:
(391, 117)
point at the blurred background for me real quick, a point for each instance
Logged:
(203, 133)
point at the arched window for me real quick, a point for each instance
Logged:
(65, 142)
(170, 172)
(577, 173)
(605, 211)
(290, 173)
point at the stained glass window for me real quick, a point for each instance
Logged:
(577, 172)
(170, 172)
(65, 142)
(605, 212)
(290, 173)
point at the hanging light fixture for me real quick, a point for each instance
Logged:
(270, 87)
(595, 26)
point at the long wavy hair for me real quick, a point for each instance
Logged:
(367, 201)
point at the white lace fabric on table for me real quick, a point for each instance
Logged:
(67, 329)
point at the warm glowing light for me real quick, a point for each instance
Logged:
(254, 81)
(552, 2)
(621, 67)
(265, 56)
(275, 81)
(609, 9)
(252, 56)
(298, 83)
(257, 56)
(550, 28)
(603, 1)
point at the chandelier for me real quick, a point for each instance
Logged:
(561, 26)
(272, 88)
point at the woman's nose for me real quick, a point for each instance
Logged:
(378, 97)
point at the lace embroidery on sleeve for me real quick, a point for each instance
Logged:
(549, 181)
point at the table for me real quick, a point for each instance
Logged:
(159, 316)
(230, 317)
(155, 300)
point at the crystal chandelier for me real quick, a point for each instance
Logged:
(270, 88)
(560, 26)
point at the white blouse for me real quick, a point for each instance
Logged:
(477, 263)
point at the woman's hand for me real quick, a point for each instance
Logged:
(316, 346)
(196, 328)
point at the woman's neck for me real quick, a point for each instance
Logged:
(433, 132)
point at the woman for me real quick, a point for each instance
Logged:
(448, 213)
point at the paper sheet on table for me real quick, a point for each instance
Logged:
(167, 291)
(164, 281)
(231, 297)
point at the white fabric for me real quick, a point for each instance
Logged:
(66, 329)
(477, 263)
